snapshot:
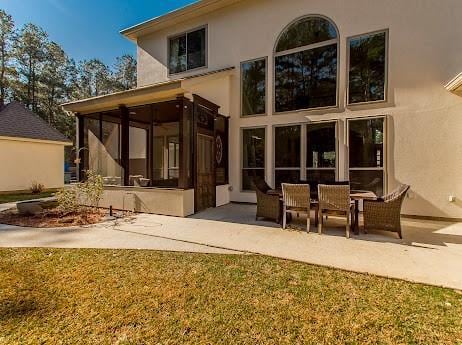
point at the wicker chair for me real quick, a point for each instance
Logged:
(335, 199)
(296, 197)
(385, 213)
(268, 206)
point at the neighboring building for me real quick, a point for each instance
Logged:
(310, 89)
(30, 150)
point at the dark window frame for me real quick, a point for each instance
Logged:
(386, 74)
(185, 34)
(241, 109)
(313, 46)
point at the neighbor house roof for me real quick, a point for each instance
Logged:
(194, 10)
(19, 122)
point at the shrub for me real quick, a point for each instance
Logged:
(68, 200)
(37, 188)
(92, 189)
(86, 193)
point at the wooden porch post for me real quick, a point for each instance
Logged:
(125, 143)
(80, 154)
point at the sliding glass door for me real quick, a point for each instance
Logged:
(287, 143)
(366, 154)
(321, 153)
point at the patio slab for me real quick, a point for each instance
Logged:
(431, 252)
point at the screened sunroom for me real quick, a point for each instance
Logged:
(165, 157)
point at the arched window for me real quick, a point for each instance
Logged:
(305, 63)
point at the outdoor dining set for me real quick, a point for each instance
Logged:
(332, 198)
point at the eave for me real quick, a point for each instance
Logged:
(199, 8)
(455, 85)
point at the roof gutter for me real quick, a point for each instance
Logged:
(455, 85)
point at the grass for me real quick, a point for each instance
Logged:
(137, 297)
(5, 198)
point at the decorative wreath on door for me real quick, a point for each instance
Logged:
(218, 149)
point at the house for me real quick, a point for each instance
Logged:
(31, 151)
(287, 90)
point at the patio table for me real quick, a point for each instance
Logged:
(355, 195)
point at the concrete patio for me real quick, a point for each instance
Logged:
(431, 252)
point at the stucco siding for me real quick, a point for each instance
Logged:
(424, 125)
(25, 162)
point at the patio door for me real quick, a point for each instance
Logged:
(205, 186)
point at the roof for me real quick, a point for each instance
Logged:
(19, 122)
(141, 95)
(194, 10)
(455, 85)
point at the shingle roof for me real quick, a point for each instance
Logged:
(19, 122)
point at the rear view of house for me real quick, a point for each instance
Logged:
(31, 151)
(364, 91)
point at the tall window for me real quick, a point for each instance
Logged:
(188, 51)
(253, 87)
(366, 154)
(306, 65)
(253, 156)
(367, 70)
(287, 154)
(321, 143)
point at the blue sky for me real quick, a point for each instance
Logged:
(89, 28)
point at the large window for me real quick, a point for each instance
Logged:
(253, 87)
(321, 143)
(188, 51)
(287, 154)
(367, 69)
(366, 154)
(253, 156)
(306, 66)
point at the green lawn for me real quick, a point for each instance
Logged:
(4, 198)
(124, 297)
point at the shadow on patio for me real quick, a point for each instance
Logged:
(419, 233)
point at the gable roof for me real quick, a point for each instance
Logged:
(196, 9)
(19, 122)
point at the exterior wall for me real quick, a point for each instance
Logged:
(223, 195)
(24, 162)
(424, 120)
(169, 202)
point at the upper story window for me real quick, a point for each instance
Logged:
(253, 87)
(367, 68)
(188, 51)
(305, 63)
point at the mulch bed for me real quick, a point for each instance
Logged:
(52, 218)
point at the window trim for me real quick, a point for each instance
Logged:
(241, 160)
(304, 48)
(266, 88)
(387, 60)
(385, 148)
(185, 33)
(336, 122)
